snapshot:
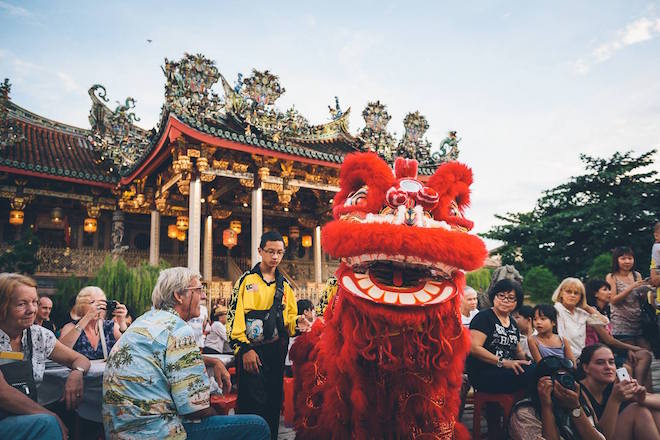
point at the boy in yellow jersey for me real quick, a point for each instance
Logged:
(262, 315)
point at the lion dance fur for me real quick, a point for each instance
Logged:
(386, 362)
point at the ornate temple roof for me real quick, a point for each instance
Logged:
(50, 148)
(114, 150)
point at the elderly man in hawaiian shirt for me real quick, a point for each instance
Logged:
(155, 383)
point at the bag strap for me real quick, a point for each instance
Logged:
(29, 344)
(277, 300)
(104, 347)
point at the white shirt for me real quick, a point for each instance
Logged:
(573, 326)
(217, 337)
(197, 323)
(43, 343)
(465, 320)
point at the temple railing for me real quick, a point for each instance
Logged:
(86, 262)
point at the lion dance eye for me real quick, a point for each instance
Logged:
(357, 198)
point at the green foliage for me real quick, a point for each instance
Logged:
(601, 266)
(22, 256)
(611, 204)
(539, 282)
(478, 279)
(67, 289)
(130, 286)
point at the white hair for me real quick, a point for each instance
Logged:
(170, 281)
(469, 289)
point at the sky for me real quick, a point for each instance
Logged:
(528, 85)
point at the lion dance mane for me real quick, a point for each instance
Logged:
(386, 362)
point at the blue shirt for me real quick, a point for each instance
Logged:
(154, 375)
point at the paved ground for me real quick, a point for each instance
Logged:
(287, 433)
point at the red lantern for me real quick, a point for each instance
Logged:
(229, 238)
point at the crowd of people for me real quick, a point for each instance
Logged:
(584, 362)
(580, 367)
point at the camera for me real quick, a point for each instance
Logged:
(566, 380)
(112, 305)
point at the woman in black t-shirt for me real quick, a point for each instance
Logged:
(497, 363)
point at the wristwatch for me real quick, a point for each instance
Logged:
(500, 362)
(577, 412)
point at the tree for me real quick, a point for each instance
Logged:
(615, 202)
(539, 283)
(478, 279)
(601, 266)
(22, 256)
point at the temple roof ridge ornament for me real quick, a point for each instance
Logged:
(114, 134)
(10, 133)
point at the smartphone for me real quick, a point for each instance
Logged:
(622, 374)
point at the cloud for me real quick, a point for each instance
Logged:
(639, 31)
(16, 11)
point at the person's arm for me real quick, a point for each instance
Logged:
(607, 339)
(236, 320)
(568, 351)
(478, 351)
(71, 332)
(119, 316)
(290, 310)
(621, 392)
(569, 400)
(620, 296)
(15, 402)
(73, 388)
(534, 348)
(548, 422)
(220, 373)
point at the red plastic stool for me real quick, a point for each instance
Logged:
(288, 401)
(506, 401)
(223, 403)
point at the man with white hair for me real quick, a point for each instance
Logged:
(155, 383)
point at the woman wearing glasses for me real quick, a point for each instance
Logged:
(573, 314)
(497, 363)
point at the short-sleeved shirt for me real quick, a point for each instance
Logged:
(154, 375)
(217, 338)
(465, 320)
(500, 340)
(43, 343)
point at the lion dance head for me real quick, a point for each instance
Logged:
(388, 360)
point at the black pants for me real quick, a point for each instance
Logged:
(263, 395)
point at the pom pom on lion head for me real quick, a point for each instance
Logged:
(402, 241)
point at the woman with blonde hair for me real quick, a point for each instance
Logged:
(573, 313)
(19, 405)
(93, 334)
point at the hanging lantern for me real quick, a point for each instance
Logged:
(182, 223)
(235, 225)
(172, 231)
(286, 240)
(229, 238)
(16, 217)
(181, 235)
(56, 215)
(89, 225)
(307, 241)
(294, 232)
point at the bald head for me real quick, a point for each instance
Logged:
(45, 307)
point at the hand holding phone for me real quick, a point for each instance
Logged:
(622, 374)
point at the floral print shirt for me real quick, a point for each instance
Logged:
(154, 375)
(43, 343)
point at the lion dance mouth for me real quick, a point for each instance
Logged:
(401, 241)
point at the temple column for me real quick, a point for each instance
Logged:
(117, 230)
(194, 223)
(154, 238)
(256, 224)
(317, 255)
(208, 249)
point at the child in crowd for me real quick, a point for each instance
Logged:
(523, 317)
(546, 342)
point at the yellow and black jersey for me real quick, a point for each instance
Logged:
(327, 296)
(252, 294)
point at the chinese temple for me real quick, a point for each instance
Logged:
(222, 165)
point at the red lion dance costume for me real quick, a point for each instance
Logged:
(387, 362)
